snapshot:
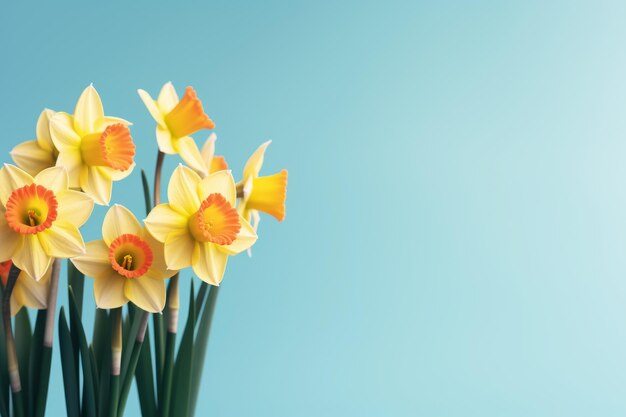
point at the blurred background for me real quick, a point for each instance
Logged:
(456, 214)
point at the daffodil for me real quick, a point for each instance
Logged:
(266, 194)
(126, 265)
(27, 291)
(34, 156)
(200, 225)
(96, 149)
(213, 162)
(39, 218)
(176, 120)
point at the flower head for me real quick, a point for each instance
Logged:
(212, 162)
(96, 149)
(34, 156)
(27, 291)
(200, 226)
(126, 265)
(176, 120)
(39, 218)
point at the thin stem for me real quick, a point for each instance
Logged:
(52, 303)
(116, 361)
(14, 372)
(130, 373)
(157, 178)
(173, 307)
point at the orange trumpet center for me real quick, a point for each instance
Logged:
(130, 256)
(218, 163)
(113, 148)
(188, 116)
(216, 221)
(268, 195)
(31, 209)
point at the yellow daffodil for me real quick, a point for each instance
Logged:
(27, 291)
(176, 120)
(36, 155)
(94, 148)
(213, 162)
(126, 265)
(266, 194)
(200, 226)
(39, 218)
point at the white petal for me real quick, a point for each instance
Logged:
(96, 184)
(118, 221)
(108, 290)
(88, 111)
(165, 140)
(32, 259)
(12, 178)
(178, 250)
(152, 106)
(54, 179)
(168, 99)
(71, 160)
(182, 190)
(189, 152)
(209, 263)
(62, 131)
(220, 182)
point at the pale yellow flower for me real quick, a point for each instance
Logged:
(34, 156)
(39, 218)
(94, 148)
(212, 162)
(176, 120)
(126, 265)
(200, 226)
(27, 291)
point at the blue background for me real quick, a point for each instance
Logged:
(456, 216)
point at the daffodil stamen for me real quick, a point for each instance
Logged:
(31, 209)
(130, 255)
(127, 263)
(113, 148)
(188, 116)
(216, 221)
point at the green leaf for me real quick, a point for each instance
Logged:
(34, 362)
(72, 400)
(89, 396)
(146, 191)
(101, 336)
(200, 298)
(181, 394)
(23, 339)
(145, 380)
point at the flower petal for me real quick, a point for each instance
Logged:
(62, 131)
(105, 121)
(163, 219)
(255, 162)
(31, 157)
(43, 130)
(88, 111)
(118, 221)
(11, 241)
(220, 182)
(62, 240)
(75, 207)
(32, 259)
(165, 140)
(95, 262)
(146, 292)
(209, 263)
(158, 251)
(152, 106)
(54, 179)
(245, 239)
(178, 250)
(168, 99)
(11, 178)
(208, 149)
(96, 184)
(108, 290)
(71, 160)
(116, 174)
(32, 293)
(189, 152)
(182, 191)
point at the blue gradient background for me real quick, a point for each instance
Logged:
(456, 227)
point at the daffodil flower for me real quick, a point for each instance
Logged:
(266, 194)
(34, 156)
(96, 149)
(39, 218)
(126, 265)
(213, 162)
(200, 225)
(27, 291)
(176, 120)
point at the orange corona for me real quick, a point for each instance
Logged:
(130, 256)
(216, 221)
(31, 209)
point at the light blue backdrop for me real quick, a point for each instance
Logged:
(456, 218)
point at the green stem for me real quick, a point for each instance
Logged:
(116, 362)
(14, 372)
(165, 395)
(132, 365)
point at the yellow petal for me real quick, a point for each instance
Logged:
(152, 107)
(71, 160)
(158, 253)
(163, 219)
(88, 111)
(165, 140)
(62, 240)
(32, 259)
(255, 162)
(11, 178)
(220, 182)
(54, 179)
(178, 250)
(43, 130)
(32, 293)
(105, 121)
(189, 152)
(31, 157)
(118, 221)
(11, 241)
(116, 174)
(96, 184)
(108, 290)
(208, 149)
(182, 191)
(62, 131)
(75, 207)
(146, 292)
(168, 99)
(95, 262)
(209, 263)
(245, 239)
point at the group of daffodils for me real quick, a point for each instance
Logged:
(72, 164)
